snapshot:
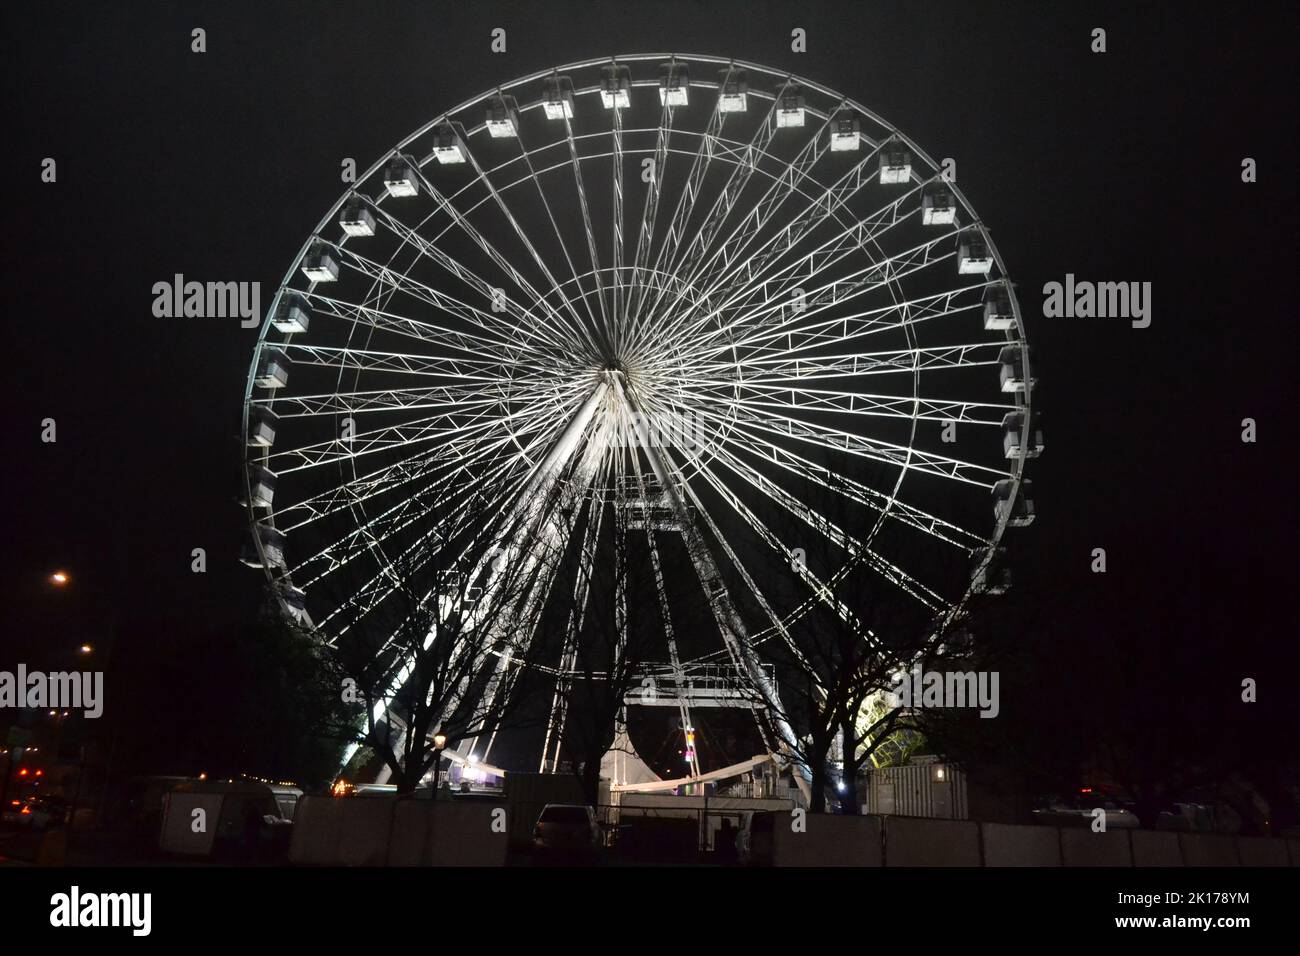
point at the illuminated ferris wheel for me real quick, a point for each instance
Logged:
(685, 299)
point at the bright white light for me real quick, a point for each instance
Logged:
(615, 98)
(733, 103)
(676, 96)
(844, 141)
(398, 189)
(502, 127)
(789, 118)
(558, 109)
(450, 153)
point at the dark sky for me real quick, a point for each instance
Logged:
(1123, 166)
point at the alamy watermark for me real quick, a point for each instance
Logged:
(917, 689)
(74, 908)
(58, 690)
(656, 430)
(1082, 299)
(208, 300)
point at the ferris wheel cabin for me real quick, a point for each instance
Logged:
(356, 219)
(292, 315)
(1019, 510)
(938, 206)
(319, 265)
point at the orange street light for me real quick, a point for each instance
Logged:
(59, 577)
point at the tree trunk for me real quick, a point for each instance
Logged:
(849, 798)
(591, 782)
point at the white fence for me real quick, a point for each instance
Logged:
(871, 841)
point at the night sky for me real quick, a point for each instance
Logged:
(1116, 167)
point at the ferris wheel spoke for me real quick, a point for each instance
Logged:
(575, 323)
(416, 557)
(744, 277)
(735, 265)
(411, 468)
(649, 214)
(446, 427)
(564, 246)
(776, 315)
(700, 165)
(777, 627)
(787, 184)
(888, 505)
(787, 369)
(889, 453)
(840, 330)
(473, 337)
(797, 400)
(592, 248)
(490, 250)
(433, 469)
(851, 547)
(742, 169)
(403, 399)
(473, 368)
(546, 329)
(412, 510)
(616, 167)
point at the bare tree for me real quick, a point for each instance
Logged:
(434, 649)
(606, 623)
(858, 624)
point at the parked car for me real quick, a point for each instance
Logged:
(567, 827)
(38, 813)
(1078, 811)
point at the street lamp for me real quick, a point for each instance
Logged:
(439, 742)
(59, 577)
(85, 649)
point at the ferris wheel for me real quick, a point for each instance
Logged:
(731, 308)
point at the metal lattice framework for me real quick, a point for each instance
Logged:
(697, 294)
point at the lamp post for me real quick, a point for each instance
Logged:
(439, 743)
